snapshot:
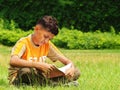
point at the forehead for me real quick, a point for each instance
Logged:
(44, 31)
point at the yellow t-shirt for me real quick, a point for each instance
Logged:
(26, 50)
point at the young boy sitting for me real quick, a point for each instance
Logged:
(27, 63)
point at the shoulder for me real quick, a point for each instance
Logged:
(23, 39)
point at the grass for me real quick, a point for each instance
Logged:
(100, 70)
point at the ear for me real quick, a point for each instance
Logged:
(37, 27)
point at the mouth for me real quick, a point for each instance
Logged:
(41, 43)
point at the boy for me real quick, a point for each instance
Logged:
(27, 63)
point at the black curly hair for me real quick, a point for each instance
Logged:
(50, 23)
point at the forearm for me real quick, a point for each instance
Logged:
(15, 61)
(65, 60)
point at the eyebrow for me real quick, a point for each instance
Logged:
(46, 36)
(50, 38)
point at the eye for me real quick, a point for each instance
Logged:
(50, 38)
(45, 36)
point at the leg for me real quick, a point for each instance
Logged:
(62, 79)
(76, 74)
(73, 81)
(29, 76)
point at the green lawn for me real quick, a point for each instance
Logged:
(100, 70)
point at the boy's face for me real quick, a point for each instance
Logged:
(42, 35)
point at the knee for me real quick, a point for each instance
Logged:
(23, 71)
(76, 74)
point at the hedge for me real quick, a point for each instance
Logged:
(70, 39)
(9, 38)
(84, 15)
(73, 39)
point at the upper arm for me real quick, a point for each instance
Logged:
(54, 54)
(18, 49)
(13, 59)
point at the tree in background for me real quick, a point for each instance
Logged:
(84, 15)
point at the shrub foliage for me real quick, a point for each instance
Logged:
(85, 15)
(70, 39)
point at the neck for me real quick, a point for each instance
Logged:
(34, 40)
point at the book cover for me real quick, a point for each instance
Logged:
(59, 71)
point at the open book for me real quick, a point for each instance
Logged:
(59, 71)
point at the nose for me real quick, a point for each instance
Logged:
(46, 40)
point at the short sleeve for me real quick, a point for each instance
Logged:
(54, 54)
(19, 48)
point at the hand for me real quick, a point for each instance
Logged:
(70, 72)
(46, 68)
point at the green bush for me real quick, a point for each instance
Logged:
(70, 39)
(9, 38)
(85, 15)
(73, 39)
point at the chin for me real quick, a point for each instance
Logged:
(41, 44)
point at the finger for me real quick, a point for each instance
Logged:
(69, 75)
(52, 67)
(49, 68)
(48, 72)
(72, 74)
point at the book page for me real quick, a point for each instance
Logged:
(59, 71)
(65, 68)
